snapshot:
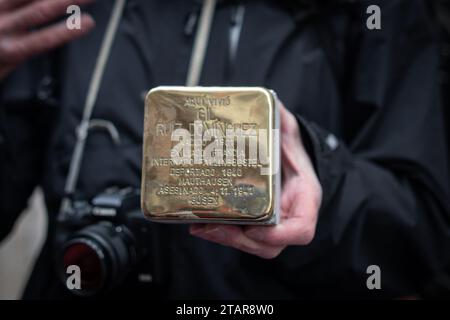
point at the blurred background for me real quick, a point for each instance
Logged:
(19, 251)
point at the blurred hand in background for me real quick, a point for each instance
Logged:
(19, 37)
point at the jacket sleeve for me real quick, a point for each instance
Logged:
(386, 185)
(24, 126)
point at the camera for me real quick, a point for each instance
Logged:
(108, 239)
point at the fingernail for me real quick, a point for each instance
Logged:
(216, 234)
(256, 235)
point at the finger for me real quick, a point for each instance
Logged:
(233, 236)
(36, 14)
(295, 159)
(289, 160)
(288, 123)
(20, 48)
(11, 4)
(295, 230)
(283, 117)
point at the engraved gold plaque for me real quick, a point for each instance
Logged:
(211, 155)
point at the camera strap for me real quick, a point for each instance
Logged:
(201, 43)
(86, 123)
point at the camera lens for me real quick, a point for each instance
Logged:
(103, 253)
(90, 259)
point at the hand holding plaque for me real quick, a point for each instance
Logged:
(211, 155)
(301, 198)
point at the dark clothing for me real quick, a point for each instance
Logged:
(386, 192)
(442, 14)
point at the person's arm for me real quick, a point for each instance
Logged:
(386, 193)
(385, 186)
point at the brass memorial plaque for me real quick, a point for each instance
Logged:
(211, 155)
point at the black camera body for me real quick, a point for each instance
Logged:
(108, 240)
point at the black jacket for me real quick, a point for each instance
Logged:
(386, 192)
